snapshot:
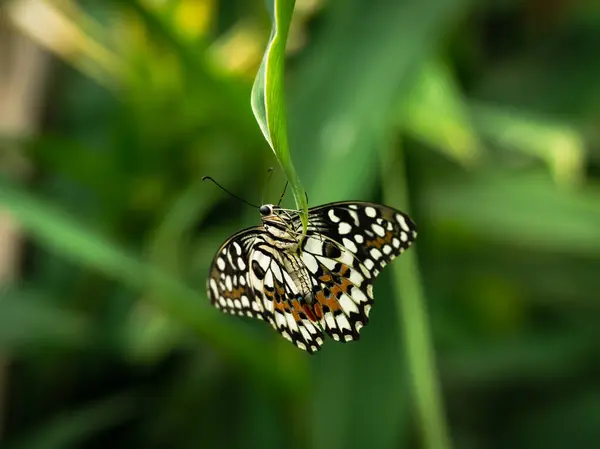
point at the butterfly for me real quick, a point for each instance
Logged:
(311, 286)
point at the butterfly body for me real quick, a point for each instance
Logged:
(311, 286)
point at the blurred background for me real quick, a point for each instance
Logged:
(112, 111)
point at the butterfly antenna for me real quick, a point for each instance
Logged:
(204, 178)
(282, 193)
(269, 173)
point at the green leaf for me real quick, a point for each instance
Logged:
(435, 112)
(268, 99)
(559, 145)
(348, 100)
(527, 210)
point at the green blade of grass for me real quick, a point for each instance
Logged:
(62, 235)
(414, 322)
(267, 99)
(76, 426)
(28, 318)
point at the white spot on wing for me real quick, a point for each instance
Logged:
(342, 322)
(313, 246)
(402, 222)
(269, 279)
(404, 236)
(301, 345)
(378, 230)
(359, 238)
(332, 216)
(354, 216)
(346, 258)
(286, 335)
(387, 249)
(358, 295)
(291, 321)
(396, 242)
(213, 287)
(344, 228)
(347, 304)
(329, 263)
(356, 278)
(367, 309)
(280, 319)
(330, 321)
(370, 211)
(375, 253)
(277, 272)
(228, 283)
(220, 264)
(369, 264)
(245, 301)
(348, 337)
(310, 262)
(349, 244)
(305, 334)
(269, 305)
(238, 248)
(262, 259)
(241, 263)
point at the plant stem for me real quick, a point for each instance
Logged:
(414, 323)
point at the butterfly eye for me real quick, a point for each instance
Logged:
(265, 210)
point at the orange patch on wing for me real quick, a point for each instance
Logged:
(336, 290)
(236, 293)
(292, 307)
(380, 241)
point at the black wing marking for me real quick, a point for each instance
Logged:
(283, 305)
(374, 233)
(228, 282)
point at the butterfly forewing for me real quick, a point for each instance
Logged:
(228, 283)
(347, 245)
(328, 283)
(376, 234)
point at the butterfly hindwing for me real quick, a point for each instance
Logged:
(342, 291)
(283, 305)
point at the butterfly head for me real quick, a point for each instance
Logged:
(279, 226)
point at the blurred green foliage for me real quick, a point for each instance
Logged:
(490, 108)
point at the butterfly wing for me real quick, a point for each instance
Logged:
(282, 303)
(346, 247)
(228, 282)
